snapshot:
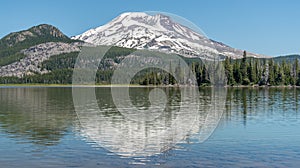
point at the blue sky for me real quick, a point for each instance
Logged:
(270, 27)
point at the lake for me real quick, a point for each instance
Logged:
(125, 127)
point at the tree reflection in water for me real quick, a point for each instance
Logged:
(40, 115)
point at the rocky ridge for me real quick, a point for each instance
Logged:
(35, 55)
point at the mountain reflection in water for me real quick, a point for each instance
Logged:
(127, 136)
(258, 126)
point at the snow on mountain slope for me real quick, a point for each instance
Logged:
(156, 32)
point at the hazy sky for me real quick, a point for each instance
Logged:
(270, 27)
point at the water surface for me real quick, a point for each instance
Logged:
(39, 127)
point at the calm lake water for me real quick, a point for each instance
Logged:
(238, 127)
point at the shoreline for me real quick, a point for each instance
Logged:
(262, 86)
(140, 86)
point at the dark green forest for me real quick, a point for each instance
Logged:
(247, 71)
(263, 71)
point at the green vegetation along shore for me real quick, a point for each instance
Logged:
(239, 72)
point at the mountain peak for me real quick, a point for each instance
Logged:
(44, 29)
(133, 14)
(156, 32)
(34, 35)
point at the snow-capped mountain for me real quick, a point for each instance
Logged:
(157, 32)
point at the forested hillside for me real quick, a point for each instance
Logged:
(13, 43)
(245, 71)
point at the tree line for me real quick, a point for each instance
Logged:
(246, 71)
(263, 71)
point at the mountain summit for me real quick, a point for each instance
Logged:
(35, 35)
(157, 32)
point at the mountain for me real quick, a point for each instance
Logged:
(21, 53)
(43, 54)
(35, 35)
(157, 32)
(287, 58)
(13, 43)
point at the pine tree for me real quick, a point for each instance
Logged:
(244, 67)
(271, 80)
(236, 72)
(229, 71)
(252, 72)
(258, 71)
(295, 72)
(287, 73)
(171, 77)
(264, 73)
